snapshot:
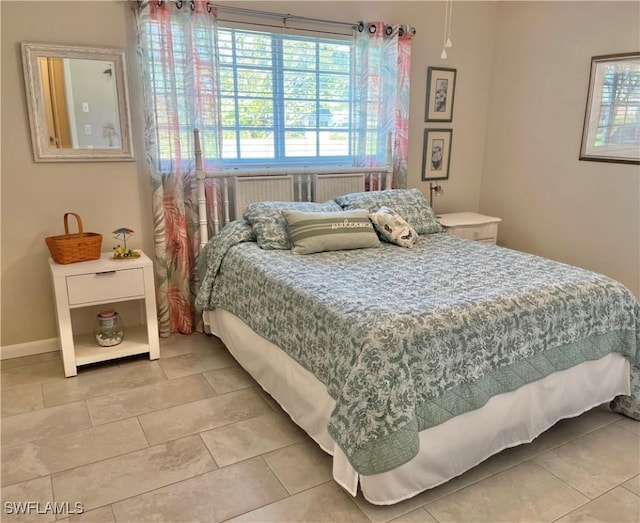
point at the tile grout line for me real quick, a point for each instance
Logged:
(198, 432)
(275, 474)
(619, 424)
(153, 410)
(4, 446)
(564, 481)
(289, 495)
(352, 499)
(589, 500)
(110, 371)
(111, 503)
(144, 433)
(627, 489)
(189, 479)
(424, 507)
(51, 474)
(567, 484)
(218, 467)
(113, 514)
(271, 502)
(53, 493)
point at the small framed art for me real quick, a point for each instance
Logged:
(441, 85)
(436, 154)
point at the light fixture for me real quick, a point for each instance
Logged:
(434, 188)
(446, 38)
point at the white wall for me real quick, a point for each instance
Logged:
(582, 213)
(110, 195)
(473, 34)
(525, 93)
(35, 196)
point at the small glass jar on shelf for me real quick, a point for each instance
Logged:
(109, 329)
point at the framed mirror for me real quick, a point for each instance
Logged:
(78, 103)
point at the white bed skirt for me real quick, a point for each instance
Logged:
(446, 450)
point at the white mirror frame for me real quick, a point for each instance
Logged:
(31, 51)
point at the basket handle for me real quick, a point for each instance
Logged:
(66, 223)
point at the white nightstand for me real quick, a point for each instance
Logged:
(99, 282)
(471, 225)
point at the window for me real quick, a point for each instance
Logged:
(284, 99)
(612, 121)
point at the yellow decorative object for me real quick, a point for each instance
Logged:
(122, 253)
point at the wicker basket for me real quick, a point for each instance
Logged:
(71, 248)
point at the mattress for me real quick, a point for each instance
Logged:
(448, 449)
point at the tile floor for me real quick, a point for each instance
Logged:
(191, 438)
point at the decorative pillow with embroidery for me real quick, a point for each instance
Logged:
(393, 227)
(408, 203)
(312, 232)
(270, 226)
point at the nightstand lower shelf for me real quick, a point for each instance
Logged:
(88, 350)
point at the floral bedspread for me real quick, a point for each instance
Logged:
(405, 339)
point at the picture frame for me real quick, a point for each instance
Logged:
(436, 154)
(441, 86)
(611, 129)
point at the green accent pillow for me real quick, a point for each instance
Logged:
(312, 232)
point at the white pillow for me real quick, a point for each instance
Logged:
(393, 227)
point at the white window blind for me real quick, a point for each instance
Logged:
(284, 98)
(619, 106)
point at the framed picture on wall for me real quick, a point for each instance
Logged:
(436, 154)
(611, 131)
(441, 86)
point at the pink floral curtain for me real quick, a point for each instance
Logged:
(382, 74)
(177, 54)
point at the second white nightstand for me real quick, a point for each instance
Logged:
(100, 282)
(471, 225)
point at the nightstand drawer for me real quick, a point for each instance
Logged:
(487, 231)
(104, 286)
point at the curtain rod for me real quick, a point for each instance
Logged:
(289, 27)
(282, 16)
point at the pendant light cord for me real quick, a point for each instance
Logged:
(446, 37)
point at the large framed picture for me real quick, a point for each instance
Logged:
(436, 154)
(441, 85)
(611, 131)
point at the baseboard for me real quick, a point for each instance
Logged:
(29, 348)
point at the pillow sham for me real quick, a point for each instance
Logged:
(393, 227)
(408, 203)
(270, 226)
(312, 232)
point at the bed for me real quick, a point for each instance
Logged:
(409, 365)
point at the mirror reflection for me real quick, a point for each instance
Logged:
(81, 103)
(78, 103)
